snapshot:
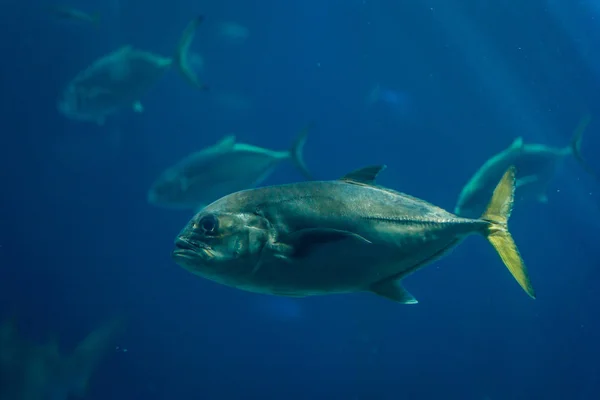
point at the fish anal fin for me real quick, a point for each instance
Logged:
(306, 240)
(366, 175)
(393, 289)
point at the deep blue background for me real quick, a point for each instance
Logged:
(79, 244)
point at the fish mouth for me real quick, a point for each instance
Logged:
(186, 249)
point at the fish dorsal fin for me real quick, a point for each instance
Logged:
(366, 175)
(517, 144)
(227, 142)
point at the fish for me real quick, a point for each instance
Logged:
(221, 169)
(34, 371)
(69, 13)
(121, 78)
(344, 236)
(536, 166)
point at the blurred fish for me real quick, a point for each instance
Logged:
(233, 32)
(536, 166)
(216, 171)
(119, 79)
(30, 371)
(69, 13)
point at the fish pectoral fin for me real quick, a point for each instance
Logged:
(305, 240)
(526, 180)
(366, 175)
(281, 251)
(393, 289)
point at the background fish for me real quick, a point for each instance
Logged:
(73, 14)
(536, 166)
(216, 171)
(31, 371)
(119, 79)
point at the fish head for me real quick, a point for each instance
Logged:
(218, 244)
(81, 102)
(167, 189)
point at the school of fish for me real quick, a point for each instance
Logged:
(312, 237)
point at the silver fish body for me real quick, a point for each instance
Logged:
(115, 81)
(219, 170)
(535, 164)
(120, 79)
(344, 236)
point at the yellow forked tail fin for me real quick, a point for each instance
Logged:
(497, 214)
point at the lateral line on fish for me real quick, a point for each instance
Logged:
(414, 220)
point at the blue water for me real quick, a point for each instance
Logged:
(460, 80)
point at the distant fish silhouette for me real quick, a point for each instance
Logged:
(32, 371)
(69, 13)
(223, 168)
(119, 79)
(536, 165)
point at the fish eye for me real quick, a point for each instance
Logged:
(209, 223)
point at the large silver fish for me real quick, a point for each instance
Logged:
(226, 167)
(121, 78)
(536, 166)
(342, 236)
